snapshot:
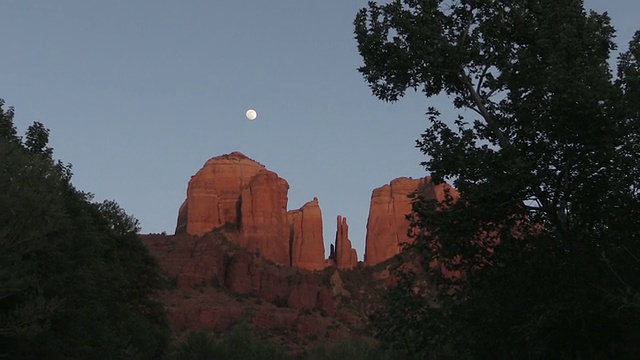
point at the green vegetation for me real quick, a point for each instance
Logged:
(352, 349)
(75, 280)
(364, 291)
(545, 155)
(240, 343)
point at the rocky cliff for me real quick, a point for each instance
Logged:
(236, 193)
(305, 236)
(235, 219)
(263, 217)
(217, 284)
(343, 255)
(213, 193)
(387, 225)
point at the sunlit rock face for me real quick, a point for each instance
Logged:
(238, 194)
(213, 194)
(234, 190)
(263, 214)
(344, 256)
(306, 237)
(387, 225)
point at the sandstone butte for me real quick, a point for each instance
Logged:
(237, 192)
(213, 193)
(387, 225)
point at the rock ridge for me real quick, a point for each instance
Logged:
(240, 195)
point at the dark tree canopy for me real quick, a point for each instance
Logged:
(75, 280)
(545, 156)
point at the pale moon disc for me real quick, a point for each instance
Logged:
(252, 114)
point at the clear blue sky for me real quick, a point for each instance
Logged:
(139, 94)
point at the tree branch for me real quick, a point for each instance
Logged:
(463, 36)
(477, 100)
(481, 79)
(503, 141)
(561, 186)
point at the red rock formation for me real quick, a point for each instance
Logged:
(263, 209)
(387, 226)
(213, 193)
(210, 274)
(183, 216)
(304, 296)
(233, 189)
(305, 236)
(344, 256)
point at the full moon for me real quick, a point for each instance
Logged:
(251, 114)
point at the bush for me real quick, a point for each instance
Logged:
(353, 349)
(238, 344)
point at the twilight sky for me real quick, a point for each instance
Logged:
(139, 94)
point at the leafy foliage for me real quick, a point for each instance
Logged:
(75, 280)
(239, 343)
(545, 156)
(354, 349)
